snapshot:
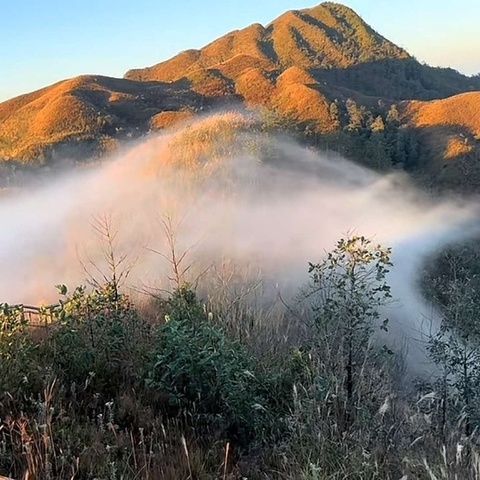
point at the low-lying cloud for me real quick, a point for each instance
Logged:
(263, 202)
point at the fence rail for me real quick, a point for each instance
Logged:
(40, 319)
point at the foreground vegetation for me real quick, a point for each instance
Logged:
(99, 388)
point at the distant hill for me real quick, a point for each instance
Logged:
(450, 128)
(322, 69)
(458, 112)
(91, 112)
(330, 42)
(327, 36)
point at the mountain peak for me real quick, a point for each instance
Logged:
(329, 35)
(335, 8)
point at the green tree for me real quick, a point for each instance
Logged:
(455, 348)
(198, 369)
(334, 114)
(347, 289)
(355, 115)
(99, 336)
(393, 117)
(376, 151)
(18, 352)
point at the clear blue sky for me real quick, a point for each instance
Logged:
(43, 41)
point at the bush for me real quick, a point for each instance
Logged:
(19, 365)
(99, 338)
(204, 373)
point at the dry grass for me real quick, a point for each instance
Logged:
(89, 110)
(395, 434)
(255, 86)
(235, 66)
(48, 116)
(240, 43)
(168, 71)
(305, 38)
(457, 147)
(211, 83)
(199, 147)
(71, 429)
(168, 119)
(246, 61)
(43, 117)
(451, 127)
(303, 104)
(461, 110)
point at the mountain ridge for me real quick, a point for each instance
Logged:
(305, 65)
(306, 38)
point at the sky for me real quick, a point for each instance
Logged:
(44, 41)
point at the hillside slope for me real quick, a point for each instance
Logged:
(461, 110)
(450, 129)
(84, 115)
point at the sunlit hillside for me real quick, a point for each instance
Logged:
(306, 69)
(83, 117)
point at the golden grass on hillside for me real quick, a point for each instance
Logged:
(304, 104)
(237, 65)
(44, 117)
(210, 83)
(241, 43)
(91, 110)
(167, 71)
(450, 125)
(456, 147)
(247, 61)
(246, 41)
(207, 140)
(300, 43)
(295, 74)
(327, 35)
(198, 150)
(169, 118)
(255, 87)
(276, 67)
(460, 110)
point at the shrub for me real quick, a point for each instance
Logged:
(204, 373)
(19, 366)
(347, 289)
(99, 338)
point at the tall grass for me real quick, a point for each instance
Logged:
(114, 392)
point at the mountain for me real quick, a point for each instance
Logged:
(91, 112)
(330, 42)
(317, 68)
(326, 36)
